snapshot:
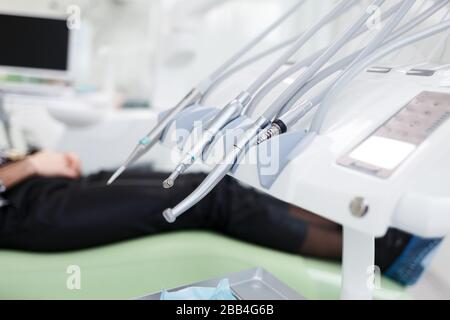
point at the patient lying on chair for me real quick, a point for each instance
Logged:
(49, 206)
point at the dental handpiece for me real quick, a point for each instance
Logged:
(147, 142)
(196, 94)
(281, 125)
(245, 141)
(232, 110)
(239, 105)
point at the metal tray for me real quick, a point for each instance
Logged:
(253, 284)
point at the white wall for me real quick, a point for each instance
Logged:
(119, 39)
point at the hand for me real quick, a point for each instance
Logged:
(54, 164)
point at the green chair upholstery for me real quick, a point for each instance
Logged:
(139, 267)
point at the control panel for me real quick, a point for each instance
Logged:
(381, 153)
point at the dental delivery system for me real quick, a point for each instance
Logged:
(324, 99)
(294, 104)
(250, 136)
(242, 144)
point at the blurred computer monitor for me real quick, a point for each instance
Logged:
(36, 51)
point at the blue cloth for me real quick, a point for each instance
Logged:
(221, 292)
(410, 265)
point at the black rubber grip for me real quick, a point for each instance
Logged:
(281, 125)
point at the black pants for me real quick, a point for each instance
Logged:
(55, 214)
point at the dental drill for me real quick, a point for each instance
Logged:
(249, 138)
(147, 142)
(238, 106)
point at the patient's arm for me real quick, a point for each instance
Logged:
(16, 172)
(44, 163)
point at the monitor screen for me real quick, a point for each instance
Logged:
(31, 42)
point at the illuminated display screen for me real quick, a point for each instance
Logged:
(391, 144)
(382, 152)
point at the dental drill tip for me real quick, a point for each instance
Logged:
(116, 175)
(169, 216)
(168, 183)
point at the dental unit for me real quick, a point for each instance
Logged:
(250, 135)
(351, 151)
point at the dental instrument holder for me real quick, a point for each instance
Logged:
(227, 135)
(186, 120)
(290, 145)
(281, 149)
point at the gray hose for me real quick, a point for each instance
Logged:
(319, 63)
(326, 104)
(302, 108)
(384, 33)
(232, 60)
(302, 64)
(306, 62)
(307, 35)
(230, 72)
(318, 78)
(345, 61)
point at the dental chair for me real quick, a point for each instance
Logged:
(135, 268)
